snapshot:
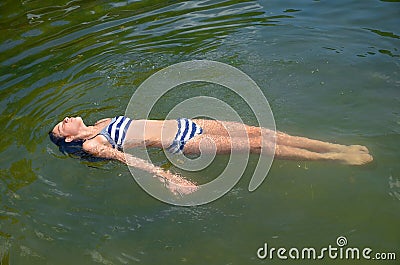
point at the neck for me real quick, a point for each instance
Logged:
(87, 132)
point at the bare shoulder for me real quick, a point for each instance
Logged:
(93, 144)
(103, 121)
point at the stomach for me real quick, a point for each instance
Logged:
(151, 133)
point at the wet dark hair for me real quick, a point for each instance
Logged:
(56, 139)
(73, 149)
(69, 148)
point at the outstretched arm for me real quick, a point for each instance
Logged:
(173, 182)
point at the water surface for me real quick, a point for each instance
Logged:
(330, 70)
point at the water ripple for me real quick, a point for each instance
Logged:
(48, 74)
(60, 58)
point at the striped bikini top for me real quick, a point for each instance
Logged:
(115, 132)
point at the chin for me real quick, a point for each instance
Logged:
(80, 120)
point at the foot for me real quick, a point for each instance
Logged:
(358, 149)
(349, 149)
(355, 159)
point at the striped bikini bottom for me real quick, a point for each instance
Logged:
(187, 129)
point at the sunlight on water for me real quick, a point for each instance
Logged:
(330, 71)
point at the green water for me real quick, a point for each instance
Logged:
(330, 70)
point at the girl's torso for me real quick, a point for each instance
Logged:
(155, 133)
(122, 132)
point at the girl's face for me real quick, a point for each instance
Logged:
(69, 127)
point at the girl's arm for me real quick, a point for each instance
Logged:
(173, 182)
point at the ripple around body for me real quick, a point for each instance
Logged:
(329, 70)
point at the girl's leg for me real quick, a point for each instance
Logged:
(287, 147)
(293, 153)
(220, 128)
(315, 145)
(211, 143)
(238, 129)
(226, 145)
(284, 139)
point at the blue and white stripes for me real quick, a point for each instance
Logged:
(115, 132)
(187, 129)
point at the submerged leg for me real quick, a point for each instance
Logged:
(217, 138)
(218, 144)
(293, 153)
(315, 145)
(281, 138)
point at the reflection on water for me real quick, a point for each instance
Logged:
(73, 47)
(394, 186)
(18, 176)
(86, 58)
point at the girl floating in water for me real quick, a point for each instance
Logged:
(108, 137)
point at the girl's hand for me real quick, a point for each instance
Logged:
(176, 184)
